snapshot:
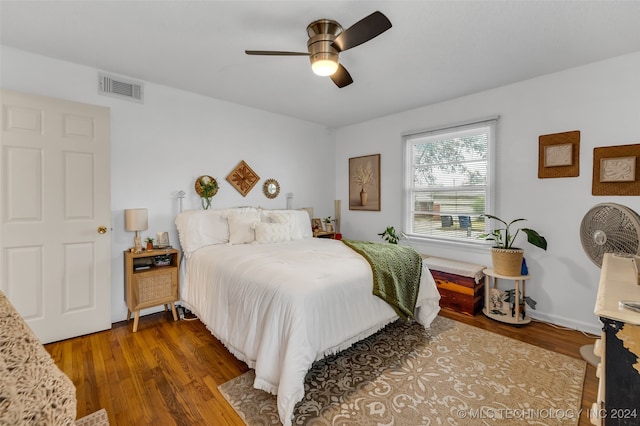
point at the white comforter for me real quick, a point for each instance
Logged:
(280, 307)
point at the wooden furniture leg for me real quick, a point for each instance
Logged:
(516, 300)
(173, 311)
(136, 317)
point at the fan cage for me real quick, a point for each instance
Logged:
(610, 228)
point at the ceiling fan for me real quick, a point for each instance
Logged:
(327, 39)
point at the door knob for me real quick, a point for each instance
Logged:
(102, 229)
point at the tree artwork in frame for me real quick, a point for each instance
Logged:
(364, 183)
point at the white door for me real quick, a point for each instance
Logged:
(55, 214)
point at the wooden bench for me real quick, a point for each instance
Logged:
(461, 284)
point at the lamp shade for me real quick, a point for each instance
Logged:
(135, 219)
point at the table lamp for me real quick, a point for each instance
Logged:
(136, 220)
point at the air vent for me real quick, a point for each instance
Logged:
(120, 88)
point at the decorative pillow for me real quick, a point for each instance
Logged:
(267, 233)
(199, 228)
(265, 215)
(241, 226)
(242, 209)
(299, 221)
(288, 217)
(278, 216)
(303, 223)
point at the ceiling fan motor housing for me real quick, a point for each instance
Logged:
(327, 39)
(321, 35)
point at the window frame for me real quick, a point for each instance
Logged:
(408, 141)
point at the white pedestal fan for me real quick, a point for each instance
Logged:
(608, 228)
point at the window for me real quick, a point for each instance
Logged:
(448, 182)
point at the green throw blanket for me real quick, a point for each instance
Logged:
(396, 273)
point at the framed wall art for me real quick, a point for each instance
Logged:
(618, 169)
(615, 170)
(364, 183)
(243, 178)
(163, 240)
(559, 155)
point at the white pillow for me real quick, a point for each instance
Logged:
(241, 226)
(303, 223)
(199, 228)
(243, 209)
(299, 221)
(288, 217)
(267, 233)
(265, 215)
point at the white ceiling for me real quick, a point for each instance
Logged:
(436, 50)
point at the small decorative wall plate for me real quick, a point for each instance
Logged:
(243, 178)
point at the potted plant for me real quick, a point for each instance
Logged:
(507, 260)
(149, 241)
(206, 188)
(390, 235)
(328, 224)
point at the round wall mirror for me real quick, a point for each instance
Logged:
(271, 188)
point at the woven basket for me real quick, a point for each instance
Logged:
(507, 261)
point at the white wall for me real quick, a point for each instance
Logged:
(601, 100)
(161, 146)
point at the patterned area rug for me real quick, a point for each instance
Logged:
(99, 418)
(452, 374)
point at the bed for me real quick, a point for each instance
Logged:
(279, 299)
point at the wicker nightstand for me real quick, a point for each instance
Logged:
(151, 278)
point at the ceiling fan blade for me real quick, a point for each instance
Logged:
(341, 77)
(275, 53)
(362, 31)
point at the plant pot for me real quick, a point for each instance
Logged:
(328, 227)
(206, 202)
(363, 197)
(507, 261)
(149, 246)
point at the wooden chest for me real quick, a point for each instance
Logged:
(458, 293)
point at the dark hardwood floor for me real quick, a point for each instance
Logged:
(168, 372)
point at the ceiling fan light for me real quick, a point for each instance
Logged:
(324, 67)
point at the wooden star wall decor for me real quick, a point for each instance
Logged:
(243, 178)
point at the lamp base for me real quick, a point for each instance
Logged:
(137, 245)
